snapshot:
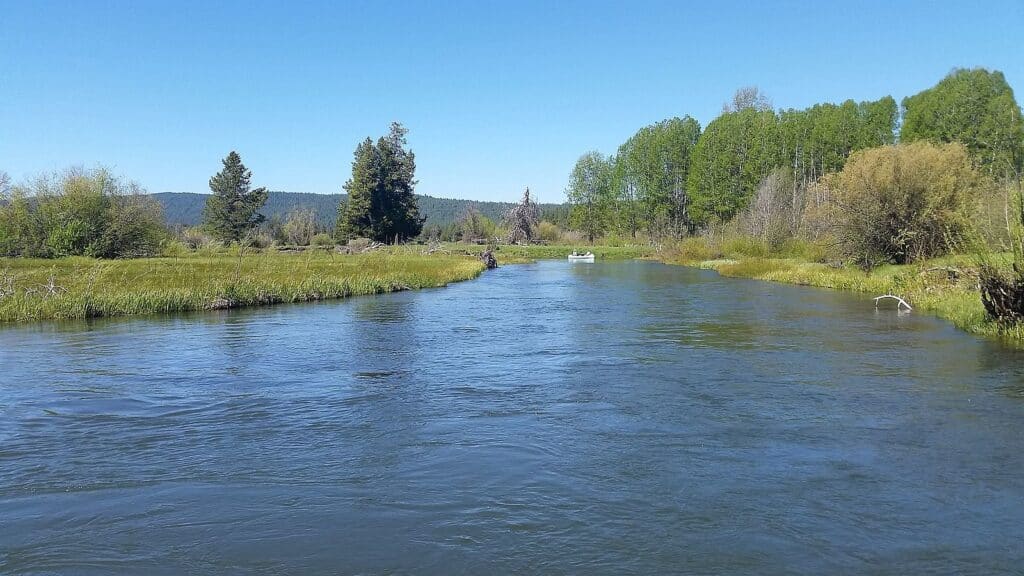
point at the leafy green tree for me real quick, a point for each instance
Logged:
(975, 107)
(232, 212)
(626, 191)
(734, 154)
(818, 140)
(381, 203)
(590, 193)
(656, 160)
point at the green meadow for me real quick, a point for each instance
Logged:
(80, 287)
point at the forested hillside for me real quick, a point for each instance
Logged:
(186, 208)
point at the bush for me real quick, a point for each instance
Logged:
(194, 238)
(300, 227)
(80, 212)
(734, 245)
(322, 239)
(549, 232)
(616, 240)
(770, 216)
(696, 249)
(134, 228)
(905, 203)
(813, 251)
(473, 226)
(175, 249)
(260, 240)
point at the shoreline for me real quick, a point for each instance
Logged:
(941, 287)
(80, 288)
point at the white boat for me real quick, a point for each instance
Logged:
(577, 257)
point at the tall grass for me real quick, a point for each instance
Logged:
(81, 287)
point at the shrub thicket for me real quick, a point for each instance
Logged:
(901, 204)
(80, 212)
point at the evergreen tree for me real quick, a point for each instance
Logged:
(355, 213)
(233, 209)
(381, 203)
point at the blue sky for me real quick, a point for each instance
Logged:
(496, 95)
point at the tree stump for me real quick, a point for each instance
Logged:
(488, 259)
(1002, 294)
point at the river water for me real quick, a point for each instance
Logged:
(614, 418)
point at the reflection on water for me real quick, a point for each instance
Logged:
(609, 418)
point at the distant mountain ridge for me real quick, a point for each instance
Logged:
(186, 208)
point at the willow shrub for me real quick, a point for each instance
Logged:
(905, 203)
(80, 212)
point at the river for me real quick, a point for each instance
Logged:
(614, 418)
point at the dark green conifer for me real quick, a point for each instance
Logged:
(233, 209)
(381, 204)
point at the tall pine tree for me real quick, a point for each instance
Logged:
(233, 209)
(381, 204)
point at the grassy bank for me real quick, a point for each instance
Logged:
(946, 287)
(83, 287)
(519, 254)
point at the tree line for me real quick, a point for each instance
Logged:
(673, 179)
(82, 212)
(862, 182)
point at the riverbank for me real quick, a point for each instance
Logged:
(946, 287)
(514, 254)
(77, 287)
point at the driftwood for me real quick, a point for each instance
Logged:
(358, 249)
(953, 274)
(46, 290)
(435, 246)
(901, 301)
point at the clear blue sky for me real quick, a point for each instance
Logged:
(497, 95)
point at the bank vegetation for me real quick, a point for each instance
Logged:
(922, 199)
